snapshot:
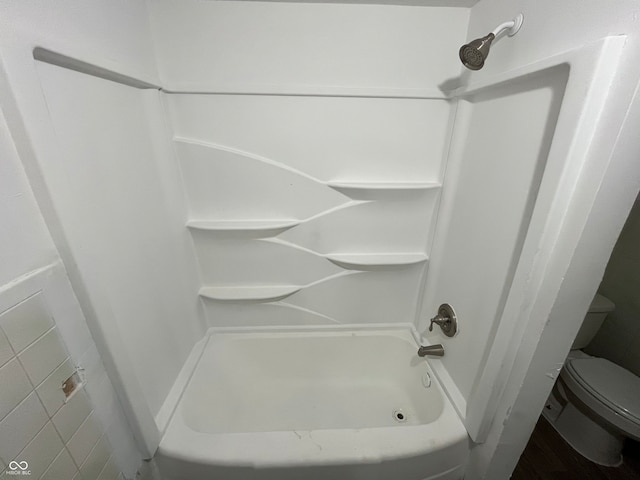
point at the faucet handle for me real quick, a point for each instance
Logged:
(446, 319)
(439, 320)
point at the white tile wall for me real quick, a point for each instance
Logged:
(42, 450)
(43, 356)
(20, 426)
(102, 393)
(97, 459)
(61, 439)
(124, 445)
(6, 353)
(69, 418)
(25, 322)
(110, 471)
(15, 386)
(85, 439)
(61, 467)
(49, 390)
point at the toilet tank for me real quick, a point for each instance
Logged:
(598, 311)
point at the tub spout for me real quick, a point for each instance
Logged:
(435, 350)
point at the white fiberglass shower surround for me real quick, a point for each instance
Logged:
(260, 205)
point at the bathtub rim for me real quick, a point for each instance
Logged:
(452, 395)
(446, 435)
(387, 356)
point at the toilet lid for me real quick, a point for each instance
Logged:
(610, 383)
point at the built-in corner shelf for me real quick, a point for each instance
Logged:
(242, 225)
(358, 261)
(255, 293)
(381, 186)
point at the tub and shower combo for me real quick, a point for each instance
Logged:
(265, 298)
(317, 402)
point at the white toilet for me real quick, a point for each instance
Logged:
(599, 400)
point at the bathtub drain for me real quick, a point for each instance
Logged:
(399, 416)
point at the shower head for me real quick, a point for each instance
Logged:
(473, 54)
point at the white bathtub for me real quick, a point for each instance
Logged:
(313, 405)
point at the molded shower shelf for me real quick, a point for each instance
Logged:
(359, 260)
(252, 293)
(242, 225)
(388, 186)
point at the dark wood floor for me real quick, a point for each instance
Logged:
(549, 457)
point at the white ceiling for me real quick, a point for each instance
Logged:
(421, 3)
